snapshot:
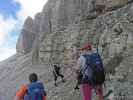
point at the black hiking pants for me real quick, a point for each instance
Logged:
(56, 75)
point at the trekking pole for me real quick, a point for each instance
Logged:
(97, 44)
(51, 65)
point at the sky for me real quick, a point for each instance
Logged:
(12, 16)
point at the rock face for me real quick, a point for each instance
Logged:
(26, 37)
(56, 34)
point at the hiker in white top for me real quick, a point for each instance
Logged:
(85, 86)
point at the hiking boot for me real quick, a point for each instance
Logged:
(76, 88)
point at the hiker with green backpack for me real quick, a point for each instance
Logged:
(32, 91)
(90, 72)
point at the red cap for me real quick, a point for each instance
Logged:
(87, 46)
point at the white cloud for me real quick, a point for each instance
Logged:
(6, 26)
(6, 52)
(28, 8)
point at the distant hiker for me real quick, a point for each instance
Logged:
(91, 72)
(57, 73)
(33, 91)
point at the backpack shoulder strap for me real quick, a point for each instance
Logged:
(99, 57)
(87, 58)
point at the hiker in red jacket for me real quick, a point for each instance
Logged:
(28, 92)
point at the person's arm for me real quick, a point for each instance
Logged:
(21, 92)
(79, 64)
(45, 94)
(43, 89)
